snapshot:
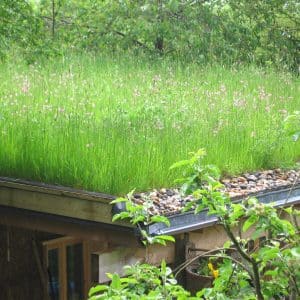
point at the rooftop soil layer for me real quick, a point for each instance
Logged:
(170, 201)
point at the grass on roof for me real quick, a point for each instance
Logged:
(113, 124)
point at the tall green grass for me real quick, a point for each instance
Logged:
(113, 124)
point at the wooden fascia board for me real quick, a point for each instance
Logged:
(57, 200)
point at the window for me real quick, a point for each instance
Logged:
(75, 272)
(67, 268)
(94, 268)
(53, 274)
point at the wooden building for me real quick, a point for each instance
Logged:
(56, 242)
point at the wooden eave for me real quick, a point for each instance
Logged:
(57, 200)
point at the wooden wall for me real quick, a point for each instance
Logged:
(19, 275)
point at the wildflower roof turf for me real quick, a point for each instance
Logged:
(113, 124)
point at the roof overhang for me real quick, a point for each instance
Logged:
(185, 222)
(80, 207)
(52, 200)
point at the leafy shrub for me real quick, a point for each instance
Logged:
(270, 270)
(142, 281)
(292, 125)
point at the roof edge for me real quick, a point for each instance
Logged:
(189, 221)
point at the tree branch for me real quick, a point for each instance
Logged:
(256, 277)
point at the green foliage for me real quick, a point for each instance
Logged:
(195, 174)
(23, 32)
(268, 271)
(225, 31)
(292, 125)
(142, 281)
(17, 26)
(199, 180)
(140, 215)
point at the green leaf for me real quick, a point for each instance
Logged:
(273, 273)
(180, 164)
(130, 194)
(217, 185)
(296, 252)
(138, 219)
(252, 201)
(292, 125)
(116, 282)
(188, 206)
(122, 215)
(287, 227)
(249, 222)
(97, 289)
(227, 244)
(289, 210)
(199, 208)
(157, 240)
(167, 238)
(267, 254)
(118, 200)
(160, 219)
(129, 280)
(200, 153)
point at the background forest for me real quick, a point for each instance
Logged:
(227, 31)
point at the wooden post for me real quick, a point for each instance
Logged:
(86, 267)
(42, 273)
(180, 255)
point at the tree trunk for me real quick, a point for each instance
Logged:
(159, 42)
(53, 18)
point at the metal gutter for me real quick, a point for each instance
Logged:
(189, 221)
